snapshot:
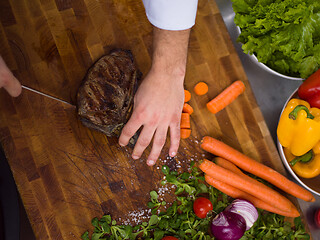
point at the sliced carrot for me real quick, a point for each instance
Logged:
(221, 149)
(187, 108)
(226, 97)
(201, 88)
(187, 96)
(185, 133)
(185, 120)
(238, 194)
(247, 184)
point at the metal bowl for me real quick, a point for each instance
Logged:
(266, 68)
(311, 184)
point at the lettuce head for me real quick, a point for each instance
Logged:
(283, 34)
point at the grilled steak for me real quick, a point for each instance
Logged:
(105, 97)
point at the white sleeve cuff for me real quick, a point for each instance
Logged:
(171, 14)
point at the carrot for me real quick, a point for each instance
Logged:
(221, 149)
(187, 108)
(185, 120)
(201, 88)
(227, 165)
(187, 96)
(247, 184)
(236, 193)
(185, 133)
(226, 97)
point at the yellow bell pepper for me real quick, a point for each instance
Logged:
(306, 166)
(299, 127)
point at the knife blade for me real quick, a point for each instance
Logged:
(46, 95)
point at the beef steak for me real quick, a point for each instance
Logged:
(105, 97)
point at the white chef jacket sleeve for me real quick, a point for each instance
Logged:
(171, 14)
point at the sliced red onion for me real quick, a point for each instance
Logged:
(228, 226)
(246, 209)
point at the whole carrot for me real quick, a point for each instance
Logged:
(227, 165)
(221, 149)
(236, 193)
(247, 184)
(226, 97)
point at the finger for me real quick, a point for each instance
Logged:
(8, 80)
(130, 128)
(174, 139)
(159, 140)
(13, 86)
(143, 141)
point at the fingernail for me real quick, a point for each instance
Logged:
(173, 154)
(151, 162)
(135, 157)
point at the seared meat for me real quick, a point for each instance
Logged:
(105, 97)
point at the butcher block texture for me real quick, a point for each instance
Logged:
(67, 173)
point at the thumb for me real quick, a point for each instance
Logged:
(8, 80)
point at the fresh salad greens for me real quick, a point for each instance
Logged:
(283, 34)
(179, 219)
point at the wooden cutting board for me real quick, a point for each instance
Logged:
(67, 174)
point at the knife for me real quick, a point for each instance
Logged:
(46, 95)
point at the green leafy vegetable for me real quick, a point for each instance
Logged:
(180, 221)
(283, 34)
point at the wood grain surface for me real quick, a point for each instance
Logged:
(67, 174)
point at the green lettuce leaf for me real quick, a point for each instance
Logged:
(283, 34)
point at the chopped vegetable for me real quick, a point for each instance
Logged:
(185, 120)
(221, 149)
(237, 193)
(187, 108)
(226, 97)
(284, 35)
(187, 96)
(202, 206)
(246, 209)
(299, 127)
(247, 184)
(228, 226)
(185, 133)
(309, 90)
(307, 165)
(201, 88)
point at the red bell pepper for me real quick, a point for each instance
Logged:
(309, 90)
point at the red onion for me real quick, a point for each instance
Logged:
(246, 209)
(228, 226)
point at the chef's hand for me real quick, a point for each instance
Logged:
(159, 100)
(8, 80)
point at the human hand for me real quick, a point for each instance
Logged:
(8, 80)
(157, 107)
